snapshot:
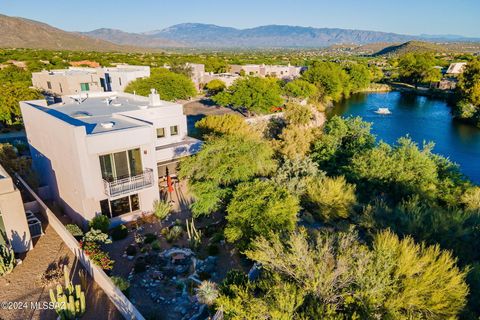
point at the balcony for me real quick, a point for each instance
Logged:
(129, 185)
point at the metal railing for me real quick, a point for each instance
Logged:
(128, 185)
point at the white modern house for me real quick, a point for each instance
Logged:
(76, 80)
(103, 153)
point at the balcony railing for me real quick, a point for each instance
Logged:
(128, 185)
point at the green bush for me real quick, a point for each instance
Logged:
(119, 233)
(74, 230)
(161, 209)
(121, 284)
(150, 237)
(156, 245)
(100, 222)
(217, 237)
(174, 233)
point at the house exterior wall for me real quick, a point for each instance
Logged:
(65, 84)
(120, 77)
(12, 214)
(67, 158)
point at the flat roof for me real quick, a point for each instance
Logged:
(101, 112)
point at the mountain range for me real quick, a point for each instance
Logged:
(270, 36)
(24, 33)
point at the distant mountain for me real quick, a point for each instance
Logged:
(23, 33)
(132, 39)
(209, 35)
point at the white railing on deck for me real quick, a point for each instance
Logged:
(128, 185)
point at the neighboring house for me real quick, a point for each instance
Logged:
(201, 78)
(227, 78)
(104, 154)
(445, 84)
(68, 81)
(456, 68)
(281, 72)
(13, 221)
(117, 78)
(75, 80)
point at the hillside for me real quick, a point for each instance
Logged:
(24, 33)
(412, 46)
(132, 39)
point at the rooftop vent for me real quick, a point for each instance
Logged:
(154, 98)
(81, 114)
(107, 125)
(116, 104)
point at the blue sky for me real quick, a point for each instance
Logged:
(405, 16)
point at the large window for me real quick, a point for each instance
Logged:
(173, 130)
(160, 132)
(84, 87)
(120, 206)
(121, 165)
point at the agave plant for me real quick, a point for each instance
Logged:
(7, 260)
(207, 292)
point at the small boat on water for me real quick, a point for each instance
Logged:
(383, 111)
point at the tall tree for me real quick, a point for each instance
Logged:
(257, 208)
(255, 94)
(222, 163)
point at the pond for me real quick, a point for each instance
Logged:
(423, 119)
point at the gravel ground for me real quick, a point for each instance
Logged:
(24, 285)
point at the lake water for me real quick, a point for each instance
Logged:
(423, 119)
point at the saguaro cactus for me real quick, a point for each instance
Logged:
(7, 260)
(194, 236)
(69, 301)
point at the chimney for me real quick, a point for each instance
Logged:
(154, 98)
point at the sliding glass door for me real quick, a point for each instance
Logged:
(121, 165)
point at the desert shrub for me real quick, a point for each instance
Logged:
(150, 237)
(161, 209)
(74, 230)
(121, 284)
(207, 293)
(156, 245)
(217, 237)
(297, 114)
(174, 233)
(331, 198)
(131, 250)
(119, 233)
(100, 222)
(471, 199)
(96, 236)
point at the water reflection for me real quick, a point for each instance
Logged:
(423, 119)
